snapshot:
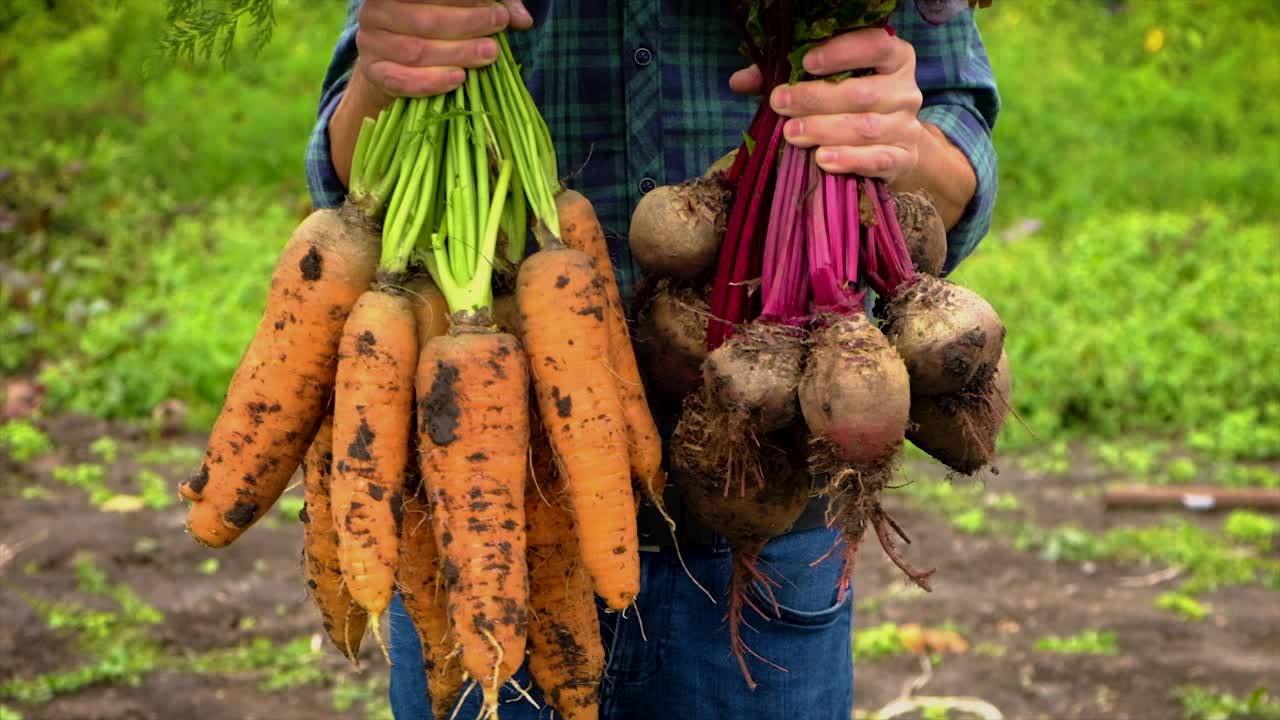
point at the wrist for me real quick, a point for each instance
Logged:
(360, 99)
(944, 171)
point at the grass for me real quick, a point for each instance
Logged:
(1153, 251)
(23, 441)
(1086, 642)
(1201, 704)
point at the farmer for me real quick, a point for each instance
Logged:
(640, 93)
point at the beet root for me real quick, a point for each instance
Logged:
(923, 231)
(746, 515)
(960, 430)
(676, 230)
(754, 375)
(855, 393)
(944, 333)
(671, 340)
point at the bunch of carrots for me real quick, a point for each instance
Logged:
(481, 451)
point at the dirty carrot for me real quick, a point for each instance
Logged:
(344, 620)
(280, 391)
(566, 653)
(580, 229)
(426, 600)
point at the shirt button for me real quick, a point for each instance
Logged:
(643, 56)
(647, 185)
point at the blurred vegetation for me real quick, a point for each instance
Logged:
(1133, 256)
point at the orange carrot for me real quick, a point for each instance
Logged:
(563, 317)
(344, 620)
(566, 653)
(473, 435)
(580, 229)
(279, 393)
(422, 589)
(372, 404)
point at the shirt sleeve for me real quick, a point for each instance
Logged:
(327, 189)
(962, 100)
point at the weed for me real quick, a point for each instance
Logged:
(1087, 642)
(1251, 528)
(1182, 604)
(157, 493)
(34, 492)
(282, 666)
(88, 477)
(169, 455)
(105, 448)
(290, 506)
(1201, 704)
(879, 641)
(23, 441)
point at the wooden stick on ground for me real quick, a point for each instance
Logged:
(1191, 497)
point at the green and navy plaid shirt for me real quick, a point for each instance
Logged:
(636, 94)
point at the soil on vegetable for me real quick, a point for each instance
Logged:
(1000, 599)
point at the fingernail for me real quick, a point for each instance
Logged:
(781, 98)
(488, 51)
(813, 61)
(457, 76)
(795, 128)
(826, 156)
(500, 16)
(519, 10)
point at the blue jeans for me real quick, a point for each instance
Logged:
(668, 657)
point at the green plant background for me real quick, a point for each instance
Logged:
(1133, 255)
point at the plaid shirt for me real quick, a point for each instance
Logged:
(636, 95)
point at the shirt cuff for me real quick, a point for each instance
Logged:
(968, 131)
(327, 189)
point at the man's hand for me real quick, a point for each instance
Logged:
(863, 125)
(415, 48)
(419, 48)
(869, 125)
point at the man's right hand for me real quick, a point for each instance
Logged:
(419, 48)
(415, 48)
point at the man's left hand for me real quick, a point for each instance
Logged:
(863, 125)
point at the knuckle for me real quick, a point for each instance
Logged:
(861, 94)
(867, 126)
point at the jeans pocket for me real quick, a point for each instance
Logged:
(797, 618)
(805, 594)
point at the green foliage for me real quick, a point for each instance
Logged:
(114, 641)
(156, 492)
(106, 448)
(7, 713)
(23, 441)
(1164, 358)
(150, 209)
(1201, 704)
(88, 477)
(1137, 138)
(880, 641)
(281, 666)
(290, 506)
(1208, 562)
(198, 30)
(1096, 121)
(1182, 604)
(1087, 642)
(1251, 528)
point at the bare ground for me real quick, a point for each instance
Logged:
(1000, 599)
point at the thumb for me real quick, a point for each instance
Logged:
(747, 81)
(520, 17)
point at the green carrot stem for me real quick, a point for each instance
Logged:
(479, 138)
(368, 128)
(530, 141)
